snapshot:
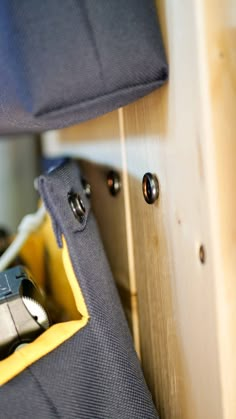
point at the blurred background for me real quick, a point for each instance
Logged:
(20, 163)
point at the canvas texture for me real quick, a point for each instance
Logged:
(95, 374)
(70, 61)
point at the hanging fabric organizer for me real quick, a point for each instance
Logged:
(95, 372)
(66, 63)
(62, 64)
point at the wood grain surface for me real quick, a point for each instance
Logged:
(174, 261)
(218, 77)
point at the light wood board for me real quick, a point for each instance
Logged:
(182, 311)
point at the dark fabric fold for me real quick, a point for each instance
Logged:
(65, 62)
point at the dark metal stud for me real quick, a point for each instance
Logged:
(150, 188)
(86, 187)
(113, 182)
(202, 254)
(77, 206)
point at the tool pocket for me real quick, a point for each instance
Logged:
(52, 272)
(84, 366)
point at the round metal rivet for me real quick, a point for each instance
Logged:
(202, 254)
(150, 188)
(113, 182)
(77, 206)
(86, 187)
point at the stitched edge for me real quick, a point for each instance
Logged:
(49, 400)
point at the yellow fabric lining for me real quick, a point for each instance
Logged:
(79, 299)
(56, 283)
(55, 335)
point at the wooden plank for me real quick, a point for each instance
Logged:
(159, 349)
(96, 144)
(218, 40)
(96, 140)
(110, 215)
(184, 133)
(177, 294)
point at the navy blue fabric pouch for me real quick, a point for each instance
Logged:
(94, 373)
(66, 62)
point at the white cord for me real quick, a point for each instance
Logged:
(28, 225)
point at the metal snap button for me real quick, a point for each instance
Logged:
(113, 182)
(77, 206)
(150, 188)
(86, 187)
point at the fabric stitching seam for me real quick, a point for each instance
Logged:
(51, 403)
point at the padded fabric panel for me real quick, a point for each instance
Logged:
(69, 61)
(96, 373)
